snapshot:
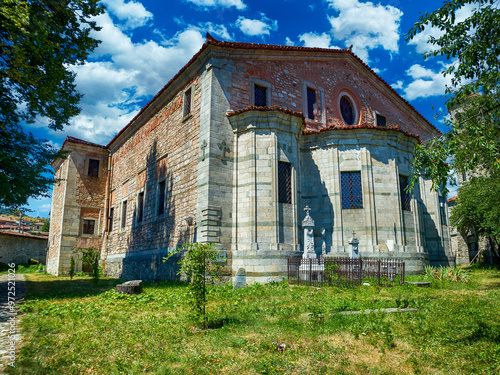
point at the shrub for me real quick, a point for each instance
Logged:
(72, 268)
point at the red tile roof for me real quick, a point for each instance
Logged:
(238, 45)
(81, 141)
(396, 128)
(452, 199)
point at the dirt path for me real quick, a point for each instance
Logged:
(9, 321)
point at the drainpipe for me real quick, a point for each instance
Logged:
(105, 235)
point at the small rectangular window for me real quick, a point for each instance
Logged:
(380, 120)
(187, 102)
(140, 206)
(352, 193)
(93, 170)
(161, 197)
(110, 218)
(260, 96)
(442, 209)
(405, 196)
(88, 226)
(284, 182)
(124, 214)
(311, 102)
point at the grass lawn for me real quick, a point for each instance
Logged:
(72, 327)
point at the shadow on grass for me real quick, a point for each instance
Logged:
(41, 288)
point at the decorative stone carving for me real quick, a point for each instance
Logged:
(353, 246)
(308, 225)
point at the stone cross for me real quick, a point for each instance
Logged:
(353, 246)
(224, 148)
(203, 146)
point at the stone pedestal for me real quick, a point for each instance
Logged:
(353, 246)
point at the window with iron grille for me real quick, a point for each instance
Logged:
(260, 97)
(111, 217)
(124, 214)
(140, 206)
(161, 197)
(311, 101)
(187, 102)
(93, 170)
(284, 182)
(352, 194)
(88, 226)
(380, 120)
(405, 196)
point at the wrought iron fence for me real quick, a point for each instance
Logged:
(345, 272)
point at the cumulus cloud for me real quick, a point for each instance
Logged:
(238, 4)
(420, 40)
(132, 14)
(398, 85)
(256, 27)
(366, 26)
(122, 75)
(426, 83)
(316, 40)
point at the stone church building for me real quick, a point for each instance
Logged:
(233, 149)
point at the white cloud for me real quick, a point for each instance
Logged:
(289, 42)
(133, 14)
(398, 85)
(366, 26)
(425, 83)
(238, 4)
(420, 40)
(256, 27)
(115, 88)
(316, 40)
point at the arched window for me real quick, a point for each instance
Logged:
(347, 109)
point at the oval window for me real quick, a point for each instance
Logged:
(347, 110)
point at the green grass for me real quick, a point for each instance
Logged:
(72, 327)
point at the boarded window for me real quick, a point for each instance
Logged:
(260, 96)
(311, 101)
(380, 120)
(405, 196)
(110, 218)
(161, 197)
(93, 170)
(124, 214)
(352, 193)
(284, 182)
(140, 206)
(187, 102)
(88, 226)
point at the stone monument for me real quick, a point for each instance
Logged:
(323, 242)
(308, 225)
(353, 246)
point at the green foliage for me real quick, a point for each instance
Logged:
(95, 269)
(478, 208)
(199, 264)
(89, 254)
(39, 42)
(71, 268)
(46, 226)
(473, 141)
(456, 275)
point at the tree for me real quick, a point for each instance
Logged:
(46, 226)
(472, 143)
(39, 41)
(199, 264)
(478, 208)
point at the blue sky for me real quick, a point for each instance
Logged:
(145, 43)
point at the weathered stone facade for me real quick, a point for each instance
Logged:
(21, 247)
(236, 145)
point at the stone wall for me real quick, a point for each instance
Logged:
(162, 150)
(77, 196)
(20, 247)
